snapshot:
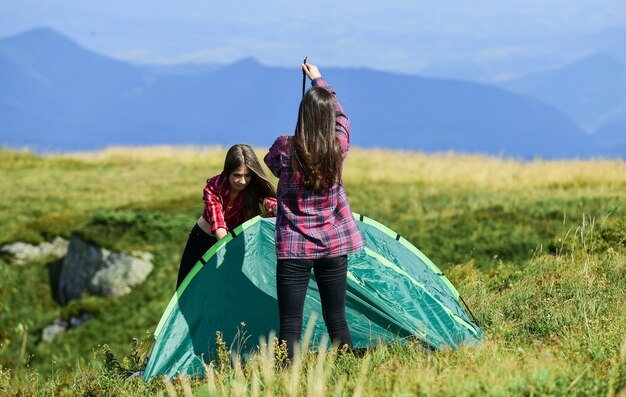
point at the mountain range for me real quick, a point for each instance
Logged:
(592, 92)
(58, 96)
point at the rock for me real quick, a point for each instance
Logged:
(76, 322)
(20, 253)
(119, 273)
(52, 331)
(60, 325)
(92, 270)
(79, 266)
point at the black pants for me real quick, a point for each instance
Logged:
(292, 280)
(198, 243)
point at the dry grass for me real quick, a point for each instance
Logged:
(474, 171)
(210, 155)
(396, 166)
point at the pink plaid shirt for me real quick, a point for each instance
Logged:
(312, 224)
(217, 210)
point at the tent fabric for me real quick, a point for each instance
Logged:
(393, 291)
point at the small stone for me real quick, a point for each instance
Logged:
(20, 253)
(52, 331)
(76, 322)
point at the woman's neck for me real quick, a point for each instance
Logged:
(233, 195)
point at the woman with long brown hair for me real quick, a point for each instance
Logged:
(315, 228)
(240, 192)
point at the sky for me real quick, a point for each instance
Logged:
(487, 39)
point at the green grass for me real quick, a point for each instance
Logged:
(538, 250)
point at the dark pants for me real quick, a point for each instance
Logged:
(292, 280)
(198, 243)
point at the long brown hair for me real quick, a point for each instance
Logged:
(259, 187)
(317, 154)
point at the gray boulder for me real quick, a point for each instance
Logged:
(96, 271)
(20, 253)
(119, 273)
(78, 268)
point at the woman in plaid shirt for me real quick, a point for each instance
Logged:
(315, 228)
(239, 193)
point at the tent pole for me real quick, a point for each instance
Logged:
(303, 78)
(468, 309)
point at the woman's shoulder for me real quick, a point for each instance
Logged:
(282, 146)
(216, 182)
(283, 140)
(215, 179)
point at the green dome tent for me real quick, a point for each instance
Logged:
(394, 291)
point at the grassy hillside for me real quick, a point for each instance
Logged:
(538, 250)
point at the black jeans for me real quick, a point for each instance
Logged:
(292, 280)
(197, 244)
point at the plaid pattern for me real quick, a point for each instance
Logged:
(216, 209)
(312, 224)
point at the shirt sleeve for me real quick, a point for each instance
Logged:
(276, 157)
(269, 204)
(342, 122)
(213, 207)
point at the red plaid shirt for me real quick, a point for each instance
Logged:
(312, 224)
(217, 209)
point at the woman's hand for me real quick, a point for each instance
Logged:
(311, 71)
(220, 233)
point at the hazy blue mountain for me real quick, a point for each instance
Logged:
(592, 91)
(57, 95)
(611, 41)
(178, 70)
(514, 56)
(436, 115)
(612, 137)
